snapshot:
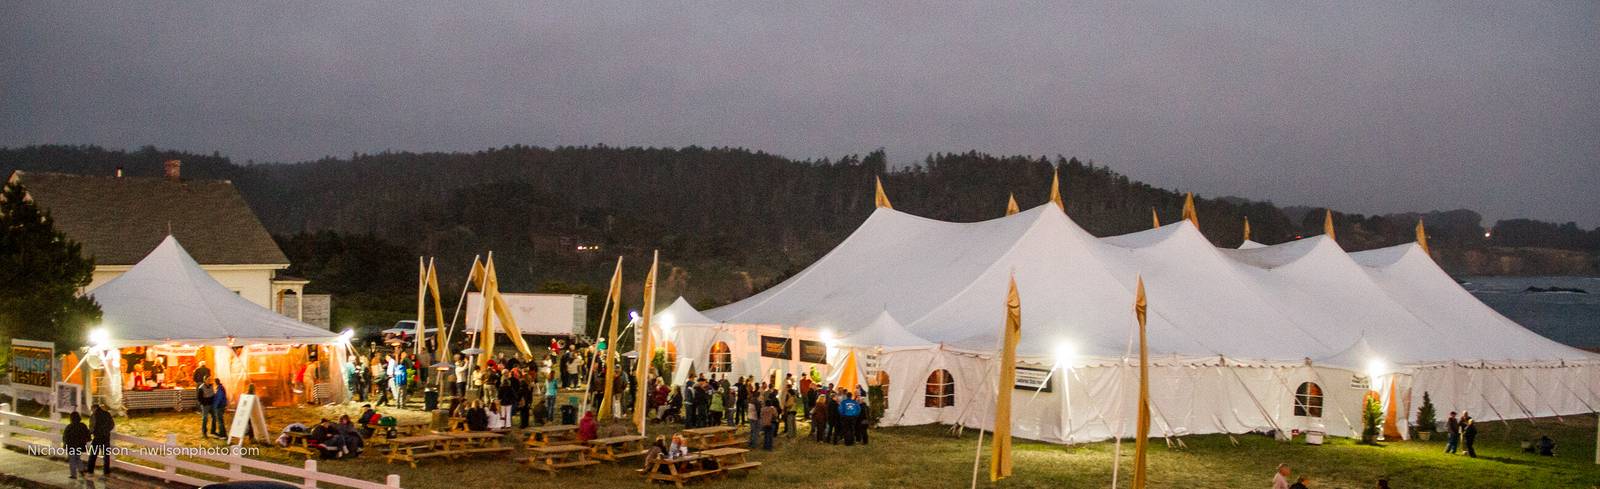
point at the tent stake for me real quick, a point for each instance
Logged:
(977, 454)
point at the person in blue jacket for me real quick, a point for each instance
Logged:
(219, 408)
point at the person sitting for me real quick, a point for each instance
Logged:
(493, 413)
(678, 448)
(368, 421)
(477, 418)
(348, 438)
(322, 439)
(1300, 483)
(657, 451)
(1547, 447)
(587, 428)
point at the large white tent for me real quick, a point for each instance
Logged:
(168, 302)
(1234, 335)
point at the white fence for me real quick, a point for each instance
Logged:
(27, 432)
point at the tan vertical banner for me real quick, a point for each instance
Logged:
(438, 315)
(1011, 205)
(614, 300)
(1055, 191)
(1155, 220)
(1327, 224)
(1000, 460)
(1247, 228)
(1188, 210)
(646, 345)
(1422, 237)
(486, 328)
(1142, 442)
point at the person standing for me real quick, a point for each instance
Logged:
(833, 417)
(100, 439)
(1452, 433)
(742, 394)
(1280, 480)
(205, 392)
(551, 388)
(769, 425)
(380, 374)
(75, 439)
(1469, 435)
(202, 375)
(790, 399)
(849, 417)
(219, 407)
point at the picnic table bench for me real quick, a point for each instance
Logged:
(560, 434)
(681, 470)
(711, 437)
(411, 448)
(552, 458)
(616, 448)
(470, 442)
(731, 459)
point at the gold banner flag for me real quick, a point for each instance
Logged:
(614, 300)
(1327, 224)
(1000, 460)
(1055, 190)
(646, 345)
(1188, 210)
(1142, 442)
(1422, 237)
(1011, 205)
(1247, 228)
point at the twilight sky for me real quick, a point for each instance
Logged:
(1362, 106)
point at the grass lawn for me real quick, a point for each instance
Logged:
(930, 456)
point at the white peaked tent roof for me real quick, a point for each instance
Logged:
(885, 332)
(1284, 303)
(1357, 357)
(168, 298)
(1247, 244)
(683, 314)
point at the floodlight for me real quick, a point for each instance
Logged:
(99, 336)
(1065, 354)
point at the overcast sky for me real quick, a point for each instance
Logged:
(1365, 107)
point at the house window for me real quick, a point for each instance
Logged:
(941, 390)
(1308, 400)
(721, 358)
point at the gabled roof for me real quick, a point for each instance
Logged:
(885, 332)
(168, 298)
(681, 313)
(119, 220)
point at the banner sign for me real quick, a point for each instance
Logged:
(33, 366)
(1360, 382)
(1033, 379)
(813, 352)
(67, 397)
(267, 349)
(776, 347)
(175, 350)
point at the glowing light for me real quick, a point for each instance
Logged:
(828, 338)
(99, 336)
(668, 322)
(347, 335)
(1376, 368)
(634, 315)
(1065, 354)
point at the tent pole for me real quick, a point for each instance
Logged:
(459, 303)
(976, 455)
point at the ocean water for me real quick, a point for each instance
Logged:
(1567, 317)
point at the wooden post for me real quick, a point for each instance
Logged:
(172, 443)
(311, 466)
(392, 481)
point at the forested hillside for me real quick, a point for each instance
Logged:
(727, 221)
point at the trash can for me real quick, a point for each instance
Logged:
(430, 400)
(569, 414)
(1315, 433)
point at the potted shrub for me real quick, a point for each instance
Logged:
(1371, 420)
(1426, 419)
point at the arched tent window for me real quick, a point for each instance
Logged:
(669, 353)
(1308, 400)
(721, 359)
(941, 390)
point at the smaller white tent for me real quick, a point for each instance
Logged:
(857, 353)
(168, 298)
(884, 331)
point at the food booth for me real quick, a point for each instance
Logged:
(166, 318)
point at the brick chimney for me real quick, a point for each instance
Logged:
(174, 170)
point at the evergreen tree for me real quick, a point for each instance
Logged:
(41, 272)
(1427, 418)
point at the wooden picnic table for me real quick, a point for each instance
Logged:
(411, 448)
(560, 434)
(731, 459)
(681, 470)
(470, 442)
(616, 448)
(409, 428)
(711, 437)
(552, 458)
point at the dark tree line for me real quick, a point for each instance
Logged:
(727, 220)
